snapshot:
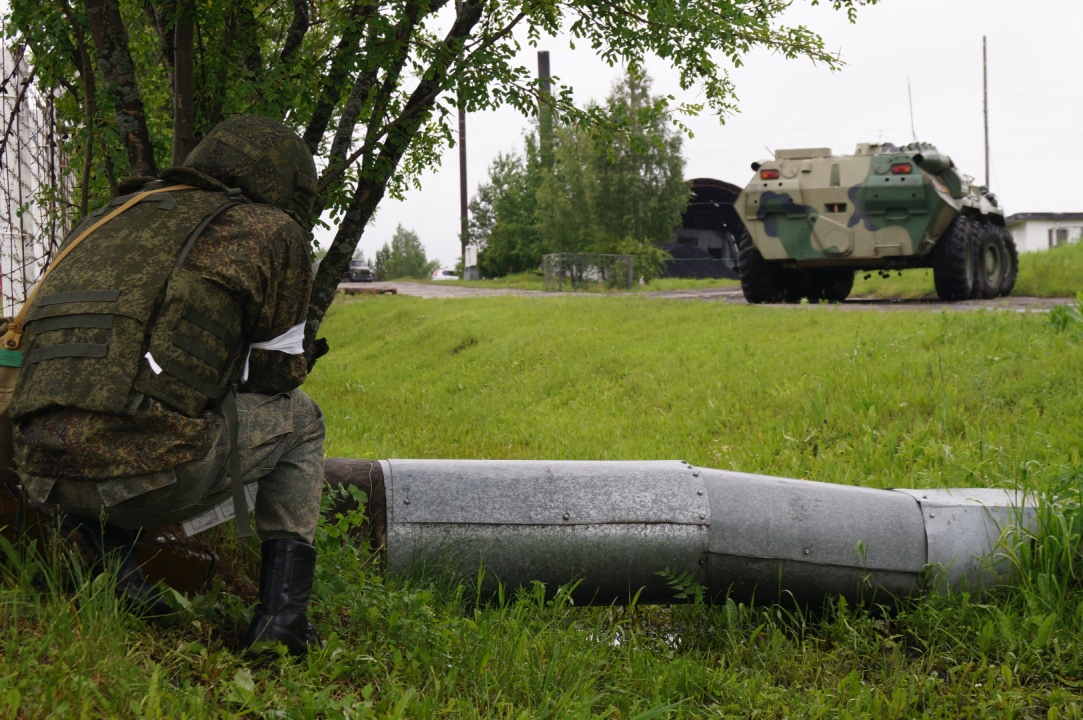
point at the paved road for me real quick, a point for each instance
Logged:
(731, 295)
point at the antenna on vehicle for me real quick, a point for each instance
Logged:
(985, 105)
(911, 96)
(769, 150)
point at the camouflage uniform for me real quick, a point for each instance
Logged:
(160, 466)
(281, 443)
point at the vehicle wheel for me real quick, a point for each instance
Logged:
(761, 281)
(975, 255)
(832, 285)
(953, 262)
(992, 260)
(1011, 269)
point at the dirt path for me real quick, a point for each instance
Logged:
(731, 295)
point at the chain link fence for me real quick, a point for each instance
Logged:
(33, 180)
(586, 272)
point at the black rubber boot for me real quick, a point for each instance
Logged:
(285, 584)
(114, 549)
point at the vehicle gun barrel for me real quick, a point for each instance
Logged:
(933, 161)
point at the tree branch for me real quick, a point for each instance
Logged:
(331, 174)
(331, 89)
(14, 112)
(216, 103)
(295, 35)
(392, 71)
(248, 31)
(118, 71)
(351, 111)
(347, 121)
(370, 189)
(86, 72)
(17, 56)
(499, 35)
(159, 19)
(336, 171)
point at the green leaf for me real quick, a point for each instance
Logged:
(1045, 630)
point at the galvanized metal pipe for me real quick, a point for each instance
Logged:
(614, 526)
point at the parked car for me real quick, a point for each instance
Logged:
(444, 274)
(358, 272)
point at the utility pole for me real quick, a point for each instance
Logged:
(545, 113)
(985, 104)
(463, 201)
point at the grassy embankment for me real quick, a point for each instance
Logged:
(1054, 273)
(900, 399)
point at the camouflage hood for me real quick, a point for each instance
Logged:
(265, 159)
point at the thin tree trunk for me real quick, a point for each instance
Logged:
(84, 181)
(184, 113)
(347, 123)
(215, 105)
(90, 107)
(160, 18)
(248, 39)
(295, 35)
(110, 174)
(118, 72)
(351, 111)
(369, 193)
(335, 79)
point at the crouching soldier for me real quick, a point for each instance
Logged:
(162, 363)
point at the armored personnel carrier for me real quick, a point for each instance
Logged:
(813, 219)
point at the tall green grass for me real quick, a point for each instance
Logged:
(1057, 272)
(901, 399)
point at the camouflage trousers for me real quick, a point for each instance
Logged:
(281, 445)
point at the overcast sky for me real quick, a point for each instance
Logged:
(1035, 105)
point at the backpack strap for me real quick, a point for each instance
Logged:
(240, 502)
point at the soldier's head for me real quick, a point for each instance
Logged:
(262, 157)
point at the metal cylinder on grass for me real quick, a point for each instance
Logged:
(621, 530)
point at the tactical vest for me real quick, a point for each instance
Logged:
(122, 298)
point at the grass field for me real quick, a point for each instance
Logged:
(880, 400)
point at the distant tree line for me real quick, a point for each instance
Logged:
(569, 191)
(404, 258)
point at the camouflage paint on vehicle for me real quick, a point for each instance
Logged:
(822, 207)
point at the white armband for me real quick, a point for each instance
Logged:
(290, 342)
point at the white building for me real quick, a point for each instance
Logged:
(32, 159)
(1041, 231)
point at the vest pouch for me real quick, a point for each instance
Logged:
(195, 344)
(92, 356)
